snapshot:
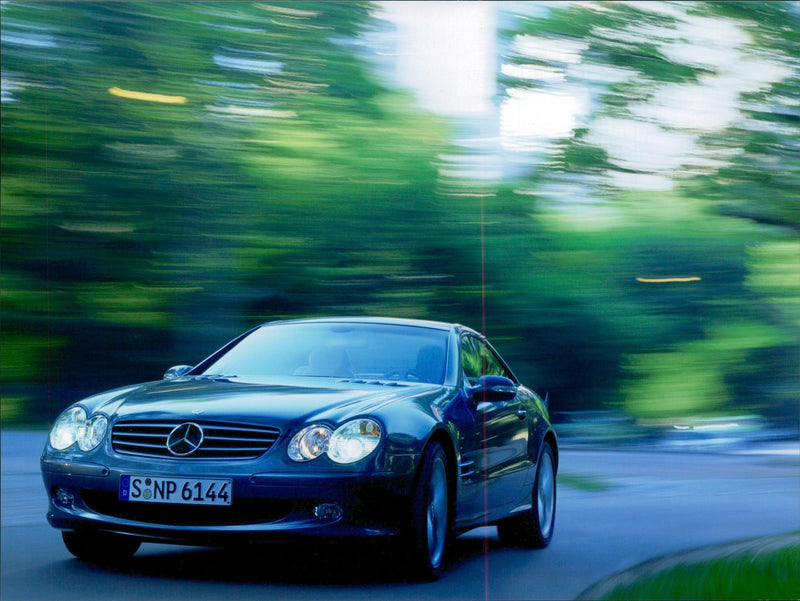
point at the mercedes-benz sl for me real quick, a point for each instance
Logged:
(332, 427)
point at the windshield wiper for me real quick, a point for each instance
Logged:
(373, 382)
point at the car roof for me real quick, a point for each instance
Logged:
(398, 321)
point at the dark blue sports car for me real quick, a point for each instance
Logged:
(334, 427)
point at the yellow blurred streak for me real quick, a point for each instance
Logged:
(133, 95)
(667, 280)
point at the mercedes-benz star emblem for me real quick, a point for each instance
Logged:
(185, 439)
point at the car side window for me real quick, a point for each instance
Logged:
(478, 360)
(470, 360)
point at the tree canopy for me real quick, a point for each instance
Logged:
(173, 173)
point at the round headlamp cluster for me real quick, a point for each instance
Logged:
(74, 426)
(349, 443)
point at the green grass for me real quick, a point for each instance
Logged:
(587, 483)
(769, 575)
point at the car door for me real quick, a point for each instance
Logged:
(494, 454)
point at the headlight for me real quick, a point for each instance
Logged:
(309, 443)
(65, 431)
(73, 427)
(347, 444)
(354, 440)
(91, 434)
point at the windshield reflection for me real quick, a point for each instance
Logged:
(337, 350)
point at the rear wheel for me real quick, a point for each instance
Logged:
(430, 519)
(533, 529)
(100, 547)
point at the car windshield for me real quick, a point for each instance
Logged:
(349, 350)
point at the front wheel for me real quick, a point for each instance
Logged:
(100, 547)
(533, 529)
(430, 519)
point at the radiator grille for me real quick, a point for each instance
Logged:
(220, 440)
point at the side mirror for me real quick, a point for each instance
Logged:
(492, 389)
(177, 371)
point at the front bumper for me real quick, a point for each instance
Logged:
(266, 506)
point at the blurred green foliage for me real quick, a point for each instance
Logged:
(277, 176)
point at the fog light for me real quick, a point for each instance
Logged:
(64, 497)
(327, 511)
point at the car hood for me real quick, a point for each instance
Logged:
(276, 402)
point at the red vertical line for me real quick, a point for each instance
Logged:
(483, 369)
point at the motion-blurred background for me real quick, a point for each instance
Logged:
(608, 190)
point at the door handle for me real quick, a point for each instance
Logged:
(522, 413)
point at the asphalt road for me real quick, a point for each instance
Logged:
(615, 509)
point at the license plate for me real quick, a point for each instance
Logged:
(186, 491)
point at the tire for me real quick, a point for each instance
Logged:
(533, 529)
(100, 547)
(430, 533)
